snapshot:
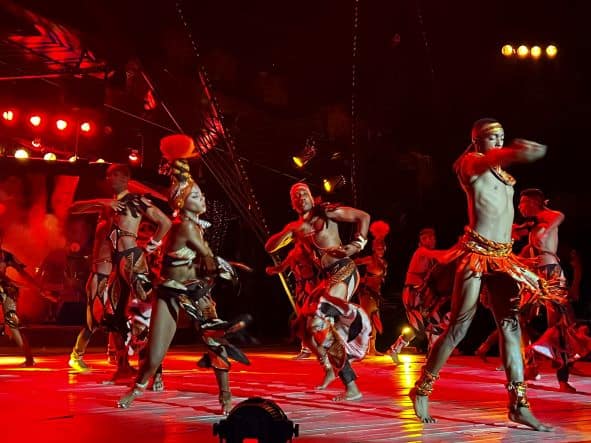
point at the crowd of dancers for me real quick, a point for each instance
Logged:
(337, 309)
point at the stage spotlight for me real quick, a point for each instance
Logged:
(61, 124)
(256, 418)
(8, 115)
(333, 183)
(100, 160)
(536, 51)
(85, 127)
(134, 157)
(507, 50)
(523, 51)
(50, 156)
(21, 153)
(408, 333)
(73, 159)
(551, 51)
(308, 153)
(35, 120)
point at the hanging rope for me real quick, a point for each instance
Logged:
(354, 86)
(237, 186)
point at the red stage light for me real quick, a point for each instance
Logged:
(85, 127)
(35, 120)
(61, 124)
(8, 115)
(134, 157)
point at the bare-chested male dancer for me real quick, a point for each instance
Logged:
(559, 341)
(484, 256)
(328, 317)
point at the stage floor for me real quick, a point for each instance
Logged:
(49, 403)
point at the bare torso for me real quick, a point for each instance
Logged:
(544, 239)
(323, 235)
(420, 264)
(490, 206)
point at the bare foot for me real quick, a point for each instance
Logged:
(157, 383)
(482, 354)
(329, 377)
(126, 401)
(302, 355)
(566, 387)
(225, 399)
(28, 363)
(421, 405)
(345, 396)
(394, 357)
(525, 417)
(351, 393)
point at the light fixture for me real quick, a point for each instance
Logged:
(308, 153)
(36, 142)
(551, 51)
(73, 159)
(507, 50)
(61, 124)
(85, 127)
(331, 184)
(21, 153)
(256, 418)
(8, 115)
(134, 156)
(35, 120)
(522, 51)
(50, 156)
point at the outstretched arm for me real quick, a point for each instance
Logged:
(281, 267)
(95, 205)
(551, 219)
(281, 239)
(521, 151)
(548, 221)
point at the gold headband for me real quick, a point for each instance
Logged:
(486, 129)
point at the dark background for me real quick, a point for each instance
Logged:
(283, 71)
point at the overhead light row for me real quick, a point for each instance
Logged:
(525, 51)
(37, 120)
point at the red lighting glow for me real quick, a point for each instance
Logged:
(134, 157)
(35, 120)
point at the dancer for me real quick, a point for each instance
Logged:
(558, 341)
(131, 277)
(188, 272)
(484, 256)
(426, 305)
(370, 289)
(9, 292)
(305, 266)
(96, 286)
(337, 331)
